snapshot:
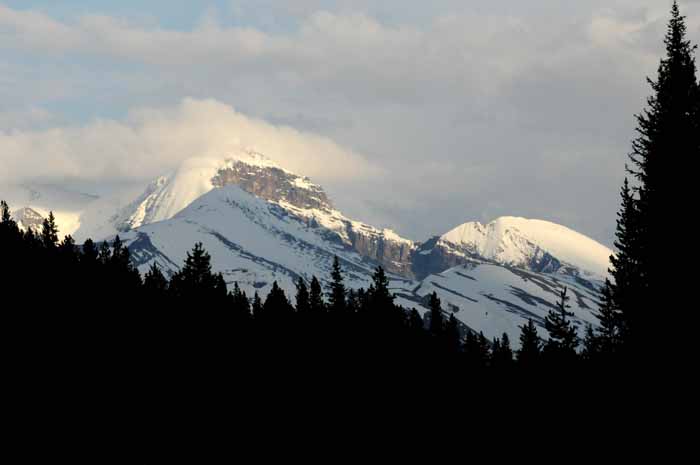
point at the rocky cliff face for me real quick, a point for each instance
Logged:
(437, 255)
(394, 255)
(305, 199)
(273, 184)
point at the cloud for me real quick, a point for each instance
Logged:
(152, 141)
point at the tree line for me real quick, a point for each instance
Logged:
(97, 288)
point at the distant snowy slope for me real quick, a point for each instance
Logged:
(496, 299)
(38, 200)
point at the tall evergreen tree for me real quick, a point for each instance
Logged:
(668, 143)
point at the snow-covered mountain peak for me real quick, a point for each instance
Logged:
(516, 241)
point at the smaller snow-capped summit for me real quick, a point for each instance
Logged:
(28, 218)
(518, 241)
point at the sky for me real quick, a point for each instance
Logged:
(414, 115)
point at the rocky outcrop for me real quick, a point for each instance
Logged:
(394, 256)
(273, 184)
(310, 200)
(434, 256)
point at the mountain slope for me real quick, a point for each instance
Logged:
(499, 299)
(252, 241)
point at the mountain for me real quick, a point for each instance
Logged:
(252, 241)
(533, 245)
(257, 175)
(31, 203)
(262, 223)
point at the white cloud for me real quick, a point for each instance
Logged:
(152, 141)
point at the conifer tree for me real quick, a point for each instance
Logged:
(105, 253)
(90, 252)
(257, 306)
(437, 321)
(67, 248)
(530, 346)
(241, 305)
(277, 307)
(563, 338)
(591, 345)
(502, 356)
(415, 321)
(336, 294)
(195, 279)
(452, 336)
(154, 282)
(484, 349)
(472, 350)
(49, 232)
(607, 338)
(668, 143)
(303, 302)
(381, 297)
(316, 303)
(5, 216)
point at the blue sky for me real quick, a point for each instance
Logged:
(484, 108)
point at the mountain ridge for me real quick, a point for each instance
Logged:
(263, 224)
